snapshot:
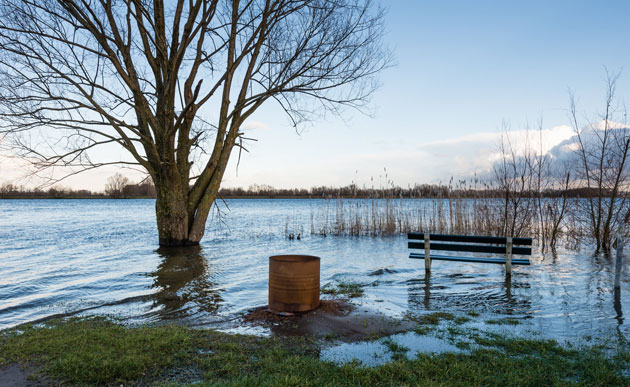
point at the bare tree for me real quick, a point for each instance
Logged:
(173, 82)
(602, 154)
(514, 179)
(533, 185)
(547, 176)
(115, 187)
(557, 208)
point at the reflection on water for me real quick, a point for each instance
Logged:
(479, 292)
(617, 305)
(374, 353)
(72, 255)
(507, 285)
(184, 283)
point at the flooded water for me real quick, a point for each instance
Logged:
(373, 353)
(101, 257)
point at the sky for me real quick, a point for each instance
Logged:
(463, 71)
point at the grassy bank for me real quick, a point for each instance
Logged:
(97, 351)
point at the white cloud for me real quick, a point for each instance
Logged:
(304, 164)
(591, 137)
(428, 162)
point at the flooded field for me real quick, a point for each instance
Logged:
(101, 257)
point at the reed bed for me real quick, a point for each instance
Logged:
(385, 216)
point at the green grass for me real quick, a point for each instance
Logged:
(504, 321)
(350, 290)
(462, 320)
(521, 346)
(433, 318)
(95, 350)
(423, 330)
(100, 352)
(399, 352)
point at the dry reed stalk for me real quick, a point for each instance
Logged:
(463, 209)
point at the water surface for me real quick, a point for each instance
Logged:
(101, 256)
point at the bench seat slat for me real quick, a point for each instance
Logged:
(470, 248)
(501, 261)
(470, 239)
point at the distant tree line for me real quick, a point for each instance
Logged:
(349, 191)
(12, 191)
(418, 191)
(117, 187)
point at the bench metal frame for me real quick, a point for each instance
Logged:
(473, 244)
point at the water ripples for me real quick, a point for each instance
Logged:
(65, 257)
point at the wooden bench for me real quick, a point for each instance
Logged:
(472, 244)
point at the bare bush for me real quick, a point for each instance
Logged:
(115, 187)
(602, 166)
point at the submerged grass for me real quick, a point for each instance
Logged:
(504, 321)
(462, 320)
(344, 289)
(96, 351)
(399, 352)
(522, 346)
(432, 318)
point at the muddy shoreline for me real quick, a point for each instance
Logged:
(337, 319)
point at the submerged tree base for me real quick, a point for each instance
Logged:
(98, 351)
(174, 243)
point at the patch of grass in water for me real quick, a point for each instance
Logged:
(433, 318)
(464, 345)
(462, 319)
(399, 352)
(504, 321)
(455, 331)
(424, 330)
(350, 290)
(520, 346)
(99, 352)
(330, 336)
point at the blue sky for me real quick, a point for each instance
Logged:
(462, 68)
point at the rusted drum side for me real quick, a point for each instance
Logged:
(293, 283)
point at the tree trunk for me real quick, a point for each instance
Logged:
(178, 223)
(172, 213)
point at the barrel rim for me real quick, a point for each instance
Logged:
(294, 258)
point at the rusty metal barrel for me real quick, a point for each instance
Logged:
(293, 283)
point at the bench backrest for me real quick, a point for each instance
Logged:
(469, 243)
